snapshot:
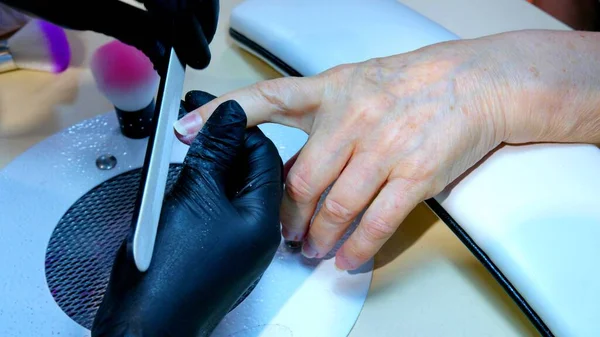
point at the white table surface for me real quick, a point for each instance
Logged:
(426, 283)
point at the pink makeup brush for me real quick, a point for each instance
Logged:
(38, 45)
(127, 78)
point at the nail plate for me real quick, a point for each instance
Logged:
(188, 124)
(290, 236)
(342, 264)
(308, 251)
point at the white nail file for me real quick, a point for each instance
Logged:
(156, 165)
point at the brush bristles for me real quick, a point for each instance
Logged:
(40, 45)
(124, 75)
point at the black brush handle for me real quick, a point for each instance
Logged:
(136, 124)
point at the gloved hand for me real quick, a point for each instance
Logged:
(218, 232)
(188, 25)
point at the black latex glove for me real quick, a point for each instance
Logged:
(193, 22)
(218, 233)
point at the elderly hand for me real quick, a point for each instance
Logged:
(392, 132)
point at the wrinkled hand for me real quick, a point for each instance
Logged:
(188, 25)
(218, 232)
(390, 132)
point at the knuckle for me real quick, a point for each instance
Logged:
(370, 69)
(373, 110)
(377, 229)
(425, 168)
(270, 91)
(363, 114)
(379, 166)
(417, 172)
(400, 198)
(342, 69)
(403, 196)
(337, 213)
(339, 75)
(298, 188)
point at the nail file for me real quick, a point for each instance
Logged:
(140, 244)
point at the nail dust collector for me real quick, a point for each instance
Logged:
(66, 205)
(530, 214)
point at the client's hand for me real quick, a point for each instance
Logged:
(218, 232)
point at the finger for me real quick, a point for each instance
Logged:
(261, 187)
(395, 201)
(288, 165)
(318, 164)
(190, 43)
(208, 16)
(352, 192)
(288, 101)
(214, 151)
(193, 99)
(182, 110)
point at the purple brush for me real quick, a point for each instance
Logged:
(39, 45)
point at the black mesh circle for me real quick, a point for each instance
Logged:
(83, 245)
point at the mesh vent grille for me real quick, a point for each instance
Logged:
(83, 245)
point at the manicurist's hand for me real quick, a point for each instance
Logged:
(219, 231)
(394, 131)
(187, 25)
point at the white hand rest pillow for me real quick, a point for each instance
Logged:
(531, 214)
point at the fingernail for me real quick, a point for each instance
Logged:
(188, 125)
(342, 264)
(184, 139)
(291, 236)
(308, 251)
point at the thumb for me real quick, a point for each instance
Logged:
(290, 101)
(215, 149)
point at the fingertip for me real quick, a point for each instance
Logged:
(188, 126)
(289, 164)
(227, 125)
(187, 140)
(210, 17)
(292, 236)
(191, 44)
(354, 252)
(294, 219)
(341, 262)
(190, 116)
